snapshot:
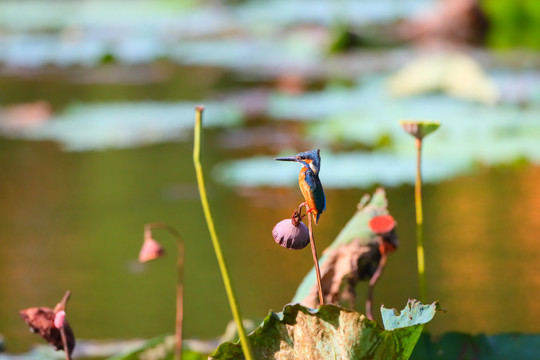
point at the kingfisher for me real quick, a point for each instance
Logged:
(309, 182)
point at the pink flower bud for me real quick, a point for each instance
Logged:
(150, 250)
(291, 236)
(59, 319)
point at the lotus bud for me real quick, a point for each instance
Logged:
(291, 233)
(150, 250)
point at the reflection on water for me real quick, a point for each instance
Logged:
(74, 221)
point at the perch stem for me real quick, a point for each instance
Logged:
(420, 223)
(246, 348)
(314, 253)
(64, 342)
(374, 278)
(179, 284)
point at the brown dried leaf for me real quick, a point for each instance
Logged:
(353, 256)
(345, 265)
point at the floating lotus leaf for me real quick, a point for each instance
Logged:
(453, 73)
(87, 127)
(413, 314)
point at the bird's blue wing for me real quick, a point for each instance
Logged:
(316, 191)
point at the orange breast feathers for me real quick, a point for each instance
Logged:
(306, 191)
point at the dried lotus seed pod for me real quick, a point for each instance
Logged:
(291, 233)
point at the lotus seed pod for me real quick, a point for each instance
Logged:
(419, 129)
(291, 236)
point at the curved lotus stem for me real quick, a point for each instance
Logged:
(152, 250)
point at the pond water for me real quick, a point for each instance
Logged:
(94, 146)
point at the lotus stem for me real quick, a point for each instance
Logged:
(419, 223)
(64, 342)
(62, 306)
(313, 251)
(419, 129)
(246, 348)
(374, 278)
(179, 284)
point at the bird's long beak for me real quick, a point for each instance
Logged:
(288, 158)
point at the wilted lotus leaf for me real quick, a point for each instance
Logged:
(330, 332)
(346, 264)
(352, 257)
(41, 321)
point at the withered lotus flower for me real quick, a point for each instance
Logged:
(44, 321)
(291, 233)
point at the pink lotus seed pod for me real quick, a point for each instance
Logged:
(291, 236)
(150, 250)
(59, 319)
